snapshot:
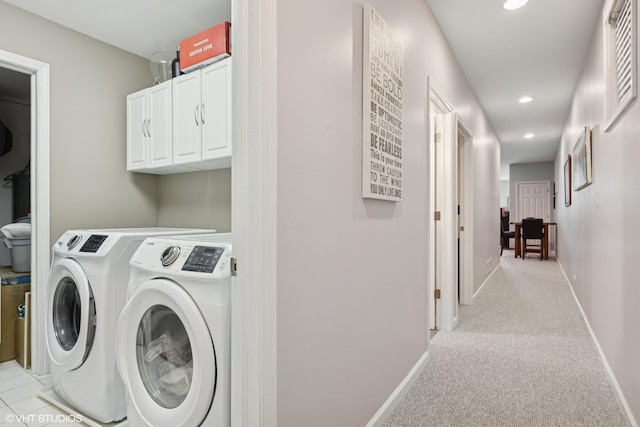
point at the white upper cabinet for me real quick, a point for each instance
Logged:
(216, 112)
(202, 117)
(149, 128)
(183, 124)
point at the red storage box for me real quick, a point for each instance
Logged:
(204, 48)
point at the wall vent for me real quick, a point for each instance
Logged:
(619, 59)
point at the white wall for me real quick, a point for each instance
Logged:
(90, 186)
(196, 200)
(504, 193)
(352, 277)
(598, 242)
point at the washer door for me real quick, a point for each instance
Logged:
(166, 355)
(71, 315)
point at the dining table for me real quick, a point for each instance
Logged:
(545, 239)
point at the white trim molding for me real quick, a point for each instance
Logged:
(254, 214)
(40, 198)
(486, 281)
(398, 394)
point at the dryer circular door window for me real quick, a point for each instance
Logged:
(166, 356)
(71, 315)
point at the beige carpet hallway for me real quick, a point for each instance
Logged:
(520, 356)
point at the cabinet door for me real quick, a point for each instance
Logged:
(137, 130)
(216, 110)
(187, 145)
(160, 125)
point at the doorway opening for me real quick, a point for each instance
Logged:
(451, 204)
(39, 205)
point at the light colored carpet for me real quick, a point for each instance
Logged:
(520, 356)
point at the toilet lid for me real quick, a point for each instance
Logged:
(16, 230)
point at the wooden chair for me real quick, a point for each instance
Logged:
(532, 230)
(505, 234)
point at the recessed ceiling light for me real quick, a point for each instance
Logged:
(525, 99)
(514, 4)
(529, 135)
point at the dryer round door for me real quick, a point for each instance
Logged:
(166, 355)
(71, 315)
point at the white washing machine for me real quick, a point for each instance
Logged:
(173, 336)
(86, 290)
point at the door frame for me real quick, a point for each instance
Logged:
(443, 270)
(465, 175)
(254, 369)
(40, 198)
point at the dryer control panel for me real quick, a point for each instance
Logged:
(86, 243)
(93, 243)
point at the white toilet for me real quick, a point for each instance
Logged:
(17, 237)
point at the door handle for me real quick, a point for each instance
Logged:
(195, 115)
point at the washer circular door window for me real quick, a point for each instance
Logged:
(166, 355)
(70, 316)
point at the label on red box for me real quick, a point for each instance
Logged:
(204, 48)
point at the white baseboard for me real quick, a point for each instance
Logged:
(612, 377)
(380, 417)
(485, 281)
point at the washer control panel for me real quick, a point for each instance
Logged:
(205, 256)
(170, 255)
(203, 259)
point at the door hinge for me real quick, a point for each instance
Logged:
(436, 294)
(436, 216)
(438, 137)
(234, 267)
(462, 228)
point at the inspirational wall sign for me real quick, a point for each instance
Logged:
(382, 69)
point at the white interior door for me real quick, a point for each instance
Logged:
(465, 216)
(533, 200)
(436, 122)
(443, 213)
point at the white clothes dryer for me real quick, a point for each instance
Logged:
(86, 290)
(173, 335)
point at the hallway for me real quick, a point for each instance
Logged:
(521, 355)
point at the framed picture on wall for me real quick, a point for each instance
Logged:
(581, 163)
(567, 181)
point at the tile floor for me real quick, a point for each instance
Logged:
(20, 404)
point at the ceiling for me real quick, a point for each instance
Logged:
(537, 50)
